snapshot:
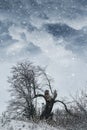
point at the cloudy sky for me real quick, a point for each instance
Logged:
(50, 33)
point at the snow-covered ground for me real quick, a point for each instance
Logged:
(21, 125)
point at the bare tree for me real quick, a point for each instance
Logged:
(28, 82)
(81, 102)
(50, 100)
(23, 87)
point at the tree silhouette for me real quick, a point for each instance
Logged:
(23, 85)
(28, 82)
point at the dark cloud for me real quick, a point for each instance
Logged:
(32, 49)
(77, 44)
(60, 29)
(74, 40)
(59, 8)
(5, 4)
(4, 26)
(27, 25)
(68, 9)
(82, 2)
(6, 40)
(23, 10)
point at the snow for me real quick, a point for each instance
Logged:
(24, 36)
(22, 125)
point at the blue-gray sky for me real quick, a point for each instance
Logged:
(50, 33)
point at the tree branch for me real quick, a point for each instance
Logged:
(39, 95)
(67, 110)
(48, 80)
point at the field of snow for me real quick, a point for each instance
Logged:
(21, 125)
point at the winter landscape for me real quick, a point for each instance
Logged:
(43, 64)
